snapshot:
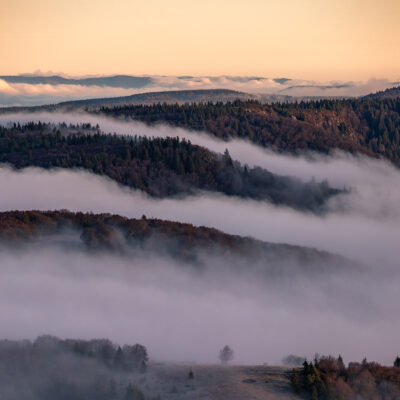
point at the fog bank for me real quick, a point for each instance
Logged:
(183, 315)
(364, 235)
(180, 317)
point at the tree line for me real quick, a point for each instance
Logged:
(369, 125)
(51, 368)
(327, 378)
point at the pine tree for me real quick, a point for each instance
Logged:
(341, 363)
(143, 367)
(295, 381)
(133, 393)
(119, 360)
(364, 362)
(397, 362)
(227, 158)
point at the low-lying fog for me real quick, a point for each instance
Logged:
(184, 317)
(182, 314)
(363, 226)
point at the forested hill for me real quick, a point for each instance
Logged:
(169, 96)
(370, 126)
(174, 96)
(160, 167)
(384, 94)
(180, 241)
(99, 230)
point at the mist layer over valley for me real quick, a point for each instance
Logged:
(324, 282)
(145, 297)
(265, 305)
(355, 225)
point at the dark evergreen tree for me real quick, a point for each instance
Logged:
(119, 362)
(132, 392)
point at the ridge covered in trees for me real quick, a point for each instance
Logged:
(369, 125)
(183, 242)
(161, 167)
(393, 92)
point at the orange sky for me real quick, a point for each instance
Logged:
(310, 39)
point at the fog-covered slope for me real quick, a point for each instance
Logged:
(161, 167)
(183, 242)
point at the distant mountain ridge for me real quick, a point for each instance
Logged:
(36, 89)
(173, 96)
(116, 81)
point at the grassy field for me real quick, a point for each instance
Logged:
(217, 382)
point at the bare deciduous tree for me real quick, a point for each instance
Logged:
(226, 354)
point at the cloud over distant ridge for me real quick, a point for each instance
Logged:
(36, 89)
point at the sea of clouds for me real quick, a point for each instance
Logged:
(181, 316)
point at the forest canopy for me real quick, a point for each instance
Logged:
(369, 125)
(161, 167)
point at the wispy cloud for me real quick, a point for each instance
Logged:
(33, 87)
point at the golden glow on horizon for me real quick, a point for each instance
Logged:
(310, 39)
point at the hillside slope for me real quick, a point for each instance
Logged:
(370, 126)
(391, 93)
(185, 242)
(160, 167)
(170, 97)
(215, 382)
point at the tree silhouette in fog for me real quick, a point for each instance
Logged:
(226, 354)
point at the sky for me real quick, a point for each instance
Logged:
(301, 39)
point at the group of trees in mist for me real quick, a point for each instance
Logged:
(293, 360)
(50, 368)
(369, 125)
(106, 230)
(327, 378)
(160, 167)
